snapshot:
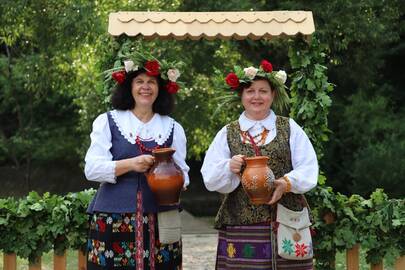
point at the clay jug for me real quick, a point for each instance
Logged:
(258, 180)
(165, 178)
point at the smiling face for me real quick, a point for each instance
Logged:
(257, 99)
(145, 90)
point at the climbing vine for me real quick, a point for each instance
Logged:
(309, 90)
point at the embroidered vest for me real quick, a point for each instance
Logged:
(121, 197)
(236, 208)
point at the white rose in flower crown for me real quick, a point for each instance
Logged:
(281, 76)
(173, 74)
(250, 72)
(130, 66)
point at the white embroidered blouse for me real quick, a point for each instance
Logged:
(218, 176)
(99, 165)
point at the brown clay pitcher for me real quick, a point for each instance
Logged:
(165, 178)
(258, 180)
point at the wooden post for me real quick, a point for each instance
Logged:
(10, 261)
(35, 265)
(400, 263)
(378, 266)
(352, 257)
(82, 260)
(59, 261)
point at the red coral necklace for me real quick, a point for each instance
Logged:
(142, 147)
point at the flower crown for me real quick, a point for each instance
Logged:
(246, 75)
(133, 61)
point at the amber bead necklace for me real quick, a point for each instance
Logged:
(259, 139)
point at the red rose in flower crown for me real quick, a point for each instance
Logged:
(134, 62)
(232, 80)
(241, 78)
(119, 76)
(152, 68)
(266, 66)
(172, 87)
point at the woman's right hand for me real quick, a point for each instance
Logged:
(142, 163)
(236, 162)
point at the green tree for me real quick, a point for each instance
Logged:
(40, 41)
(371, 153)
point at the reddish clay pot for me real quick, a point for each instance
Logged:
(258, 180)
(165, 178)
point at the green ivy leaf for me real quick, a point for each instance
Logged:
(310, 84)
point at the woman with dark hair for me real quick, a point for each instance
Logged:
(124, 215)
(250, 234)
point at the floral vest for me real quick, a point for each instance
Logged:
(236, 208)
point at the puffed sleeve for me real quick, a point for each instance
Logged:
(304, 175)
(99, 165)
(180, 144)
(215, 170)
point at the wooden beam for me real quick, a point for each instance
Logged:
(59, 261)
(10, 261)
(82, 262)
(400, 263)
(352, 258)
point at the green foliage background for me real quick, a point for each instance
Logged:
(53, 52)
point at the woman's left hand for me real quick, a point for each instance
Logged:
(280, 186)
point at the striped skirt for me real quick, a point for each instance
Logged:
(129, 241)
(250, 247)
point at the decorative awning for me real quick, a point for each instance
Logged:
(212, 25)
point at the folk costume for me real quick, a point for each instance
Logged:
(245, 240)
(248, 234)
(124, 215)
(123, 224)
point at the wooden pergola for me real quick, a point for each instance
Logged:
(212, 25)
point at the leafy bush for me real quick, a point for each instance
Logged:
(36, 224)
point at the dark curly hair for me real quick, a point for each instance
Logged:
(122, 98)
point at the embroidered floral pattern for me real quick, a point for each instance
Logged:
(167, 252)
(123, 223)
(288, 246)
(300, 250)
(96, 251)
(231, 250)
(248, 251)
(123, 253)
(266, 251)
(139, 233)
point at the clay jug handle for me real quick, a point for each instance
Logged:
(244, 160)
(242, 169)
(147, 172)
